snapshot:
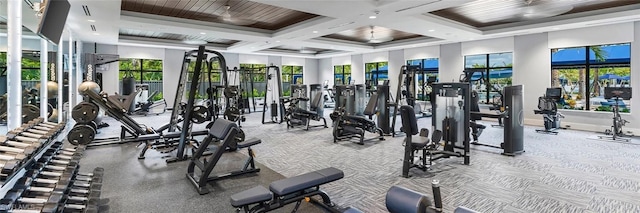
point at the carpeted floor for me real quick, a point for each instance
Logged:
(562, 173)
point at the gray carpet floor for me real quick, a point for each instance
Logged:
(557, 173)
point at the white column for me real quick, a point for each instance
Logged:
(70, 78)
(44, 61)
(60, 79)
(79, 69)
(14, 64)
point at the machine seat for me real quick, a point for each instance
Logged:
(249, 142)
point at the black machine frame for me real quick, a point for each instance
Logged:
(276, 108)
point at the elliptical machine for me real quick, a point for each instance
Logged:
(618, 94)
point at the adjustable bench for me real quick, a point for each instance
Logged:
(287, 191)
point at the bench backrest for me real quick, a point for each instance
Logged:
(371, 106)
(409, 121)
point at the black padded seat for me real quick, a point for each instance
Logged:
(249, 142)
(419, 142)
(358, 119)
(221, 128)
(402, 200)
(305, 181)
(254, 195)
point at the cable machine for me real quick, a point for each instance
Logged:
(273, 96)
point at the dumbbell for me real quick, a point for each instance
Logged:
(19, 144)
(52, 202)
(41, 121)
(9, 166)
(28, 137)
(18, 152)
(58, 146)
(45, 127)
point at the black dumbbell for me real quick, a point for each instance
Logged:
(51, 202)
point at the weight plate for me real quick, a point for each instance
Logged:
(232, 113)
(85, 112)
(230, 91)
(29, 112)
(81, 135)
(199, 114)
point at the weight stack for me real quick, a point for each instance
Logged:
(128, 85)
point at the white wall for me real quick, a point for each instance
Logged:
(275, 61)
(311, 72)
(532, 61)
(497, 45)
(451, 62)
(141, 52)
(375, 57)
(396, 60)
(233, 61)
(325, 71)
(608, 34)
(171, 68)
(357, 69)
(253, 59)
(342, 60)
(422, 52)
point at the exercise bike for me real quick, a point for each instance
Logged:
(616, 133)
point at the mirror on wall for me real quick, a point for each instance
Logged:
(30, 76)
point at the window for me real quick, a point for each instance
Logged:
(429, 70)
(375, 73)
(254, 74)
(30, 66)
(497, 69)
(145, 71)
(291, 75)
(341, 74)
(584, 72)
(203, 84)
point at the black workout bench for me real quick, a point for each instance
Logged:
(287, 191)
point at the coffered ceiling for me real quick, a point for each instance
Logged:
(318, 29)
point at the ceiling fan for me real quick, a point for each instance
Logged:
(535, 9)
(374, 40)
(235, 19)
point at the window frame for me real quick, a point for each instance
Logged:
(342, 73)
(425, 73)
(487, 71)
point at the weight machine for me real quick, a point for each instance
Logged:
(407, 91)
(177, 135)
(618, 94)
(273, 88)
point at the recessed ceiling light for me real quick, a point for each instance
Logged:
(432, 30)
(556, 28)
(91, 20)
(315, 31)
(277, 41)
(373, 17)
(203, 33)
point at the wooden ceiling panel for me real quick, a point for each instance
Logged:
(484, 13)
(363, 34)
(242, 12)
(173, 36)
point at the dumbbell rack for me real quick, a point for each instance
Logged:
(28, 167)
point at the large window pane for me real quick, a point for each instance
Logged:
(501, 60)
(584, 76)
(144, 71)
(475, 61)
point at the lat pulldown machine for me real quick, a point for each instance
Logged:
(277, 101)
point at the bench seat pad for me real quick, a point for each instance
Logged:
(253, 195)
(305, 181)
